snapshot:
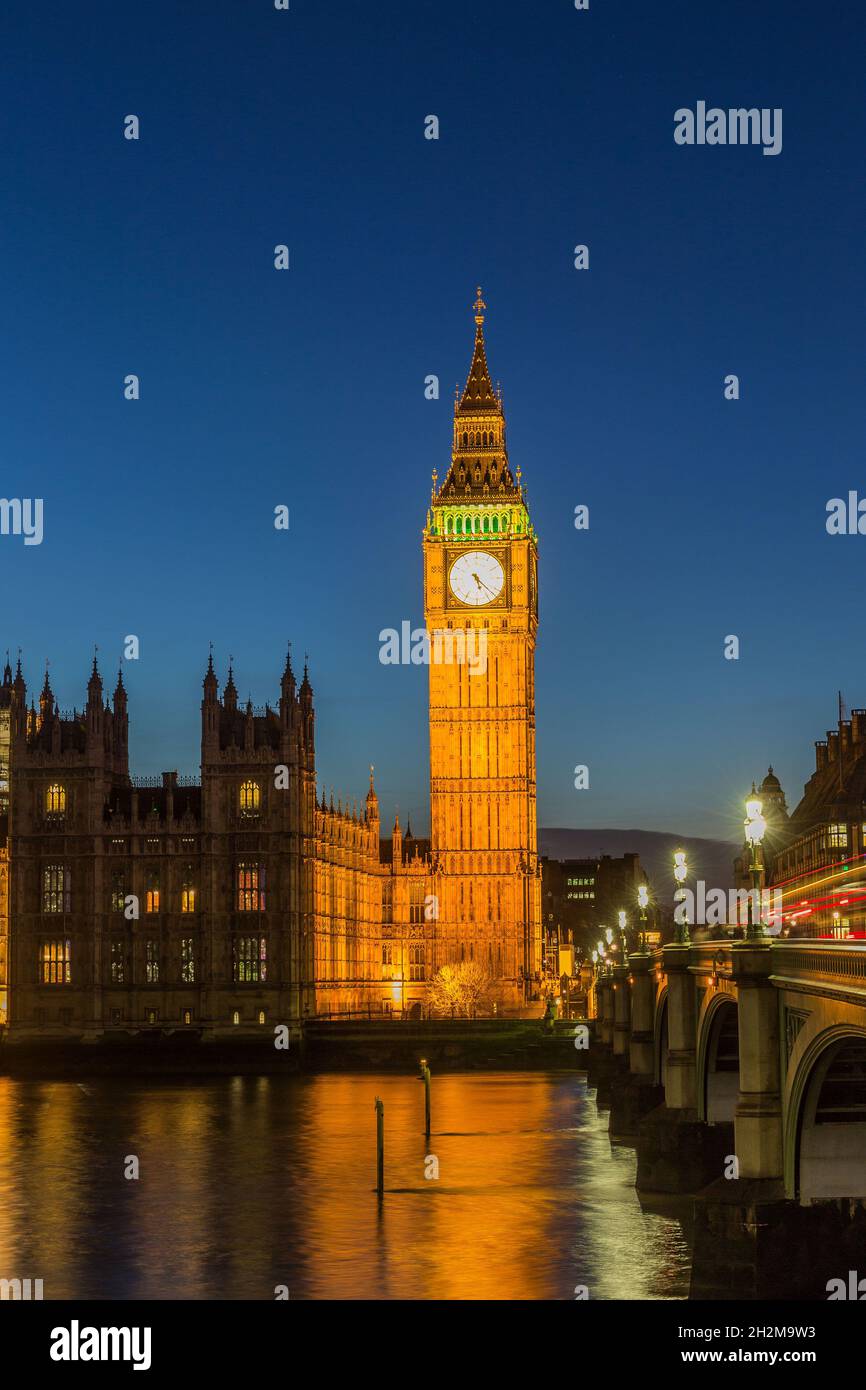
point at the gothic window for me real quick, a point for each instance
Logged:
(187, 891)
(386, 953)
(416, 903)
(416, 963)
(55, 800)
(116, 968)
(151, 897)
(465, 439)
(187, 960)
(54, 962)
(187, 1015)
(236, 1017)
(151, 962)
(250, 798)
(262, 1016)
(496, 524)
(251, 888)
(55, 888)
(458, 526)
(118, 890)
(250, 960)
(486, 524)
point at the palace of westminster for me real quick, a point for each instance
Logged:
(241, 899)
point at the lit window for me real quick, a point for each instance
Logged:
(54, 960)
(236, 1018)
(55, 888)
(251, 888)
(837, 836)
(55, 800)
(117, 963)
(187, 892)
(151, 899)
(118, 890)
(261, 1015)
(152, 1015)
(250, 959)
(187, 1015)
(250, 798)
(187, 960)
(151, 962)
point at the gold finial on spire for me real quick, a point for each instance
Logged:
(478, 306)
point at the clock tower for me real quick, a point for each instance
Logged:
(481, 612)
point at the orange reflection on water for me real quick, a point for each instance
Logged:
(247, 1183)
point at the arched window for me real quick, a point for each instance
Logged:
(151, 898)
(251, 798)
(236, 1018)
(486, 526)
(496, 524)
(55, 800)
(465, 439)
(187, 892)
(458, 526)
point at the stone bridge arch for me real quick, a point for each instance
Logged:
(825, 1114)
(718, 1057)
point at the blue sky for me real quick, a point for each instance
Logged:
(305, 387)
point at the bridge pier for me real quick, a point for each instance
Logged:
(635, 1093)
(758, 1115)
(677, 1152)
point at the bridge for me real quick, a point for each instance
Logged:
(738, 1070)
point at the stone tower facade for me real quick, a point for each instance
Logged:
(481, 610)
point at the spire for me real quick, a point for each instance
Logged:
(478, 393)
(119, 689)
(209, 684)
(94, 685)
(230, 693)
(479, 470)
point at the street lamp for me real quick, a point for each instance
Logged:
(643, 903)
(622, 920)
(681, 869)
(756, 827)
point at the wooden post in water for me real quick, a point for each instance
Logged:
(425, 1077)
(380, 1146)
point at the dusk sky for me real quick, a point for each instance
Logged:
(306, 387)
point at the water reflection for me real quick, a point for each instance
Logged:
(249, 1182)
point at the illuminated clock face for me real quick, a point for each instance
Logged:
(476, 578)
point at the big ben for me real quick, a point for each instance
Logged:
(481, 612)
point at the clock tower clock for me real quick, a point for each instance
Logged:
(481, 611)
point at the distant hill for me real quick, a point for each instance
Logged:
(711, 860)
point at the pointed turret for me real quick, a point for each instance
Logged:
(210, 685)
(478, 393)
(479, 457)
(230, 693)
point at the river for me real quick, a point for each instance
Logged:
(248, 1183)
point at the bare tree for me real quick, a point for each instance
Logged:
(463, 989)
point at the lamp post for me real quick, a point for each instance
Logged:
(681, 869)
(642, 902)
(756, 826)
